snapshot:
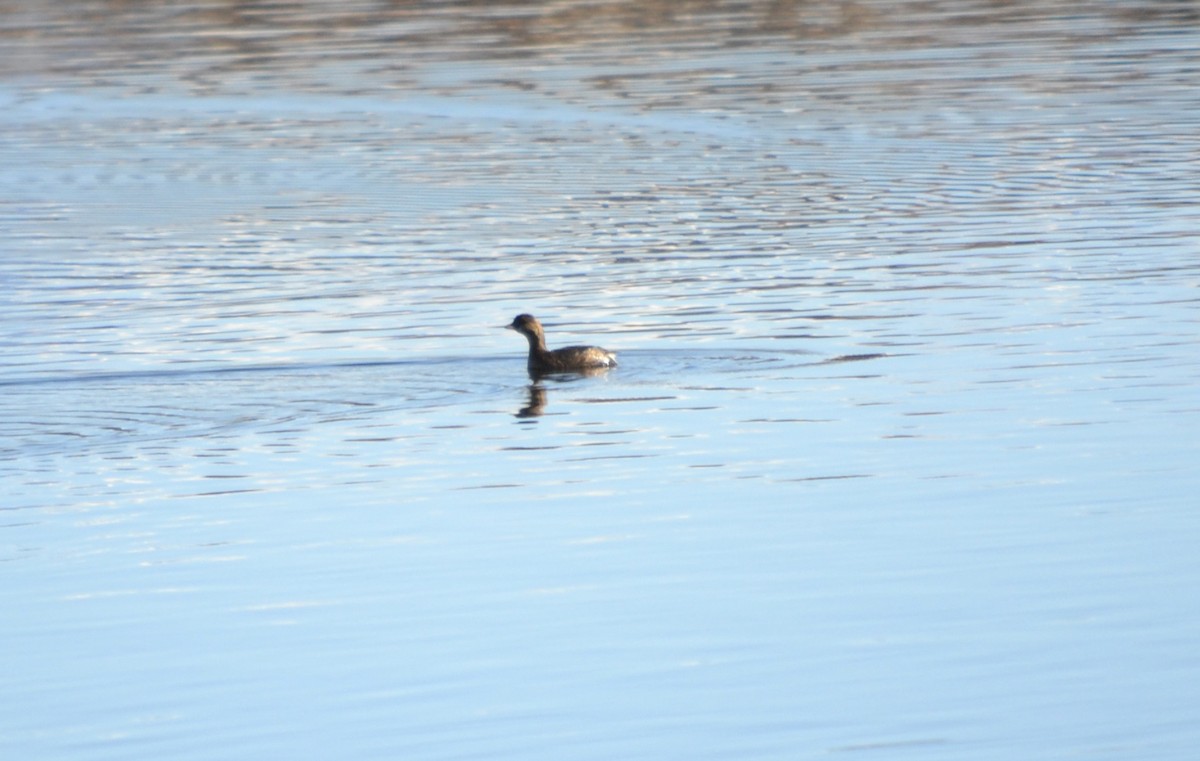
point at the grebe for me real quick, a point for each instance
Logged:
(571, 359)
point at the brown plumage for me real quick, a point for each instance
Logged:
(571, 359)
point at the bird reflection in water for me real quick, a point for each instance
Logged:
(537, 401)
(537, 391)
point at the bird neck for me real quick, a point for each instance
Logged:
(537, 342)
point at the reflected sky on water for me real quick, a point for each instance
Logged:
(899, 457)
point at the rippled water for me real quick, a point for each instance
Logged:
(899, 459)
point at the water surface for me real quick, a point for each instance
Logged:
(899, 459)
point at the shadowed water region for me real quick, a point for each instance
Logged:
(899, 460)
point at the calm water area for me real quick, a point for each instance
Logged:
(901, 459)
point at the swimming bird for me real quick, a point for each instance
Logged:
(571, 359)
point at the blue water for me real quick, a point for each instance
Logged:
(899, 460)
